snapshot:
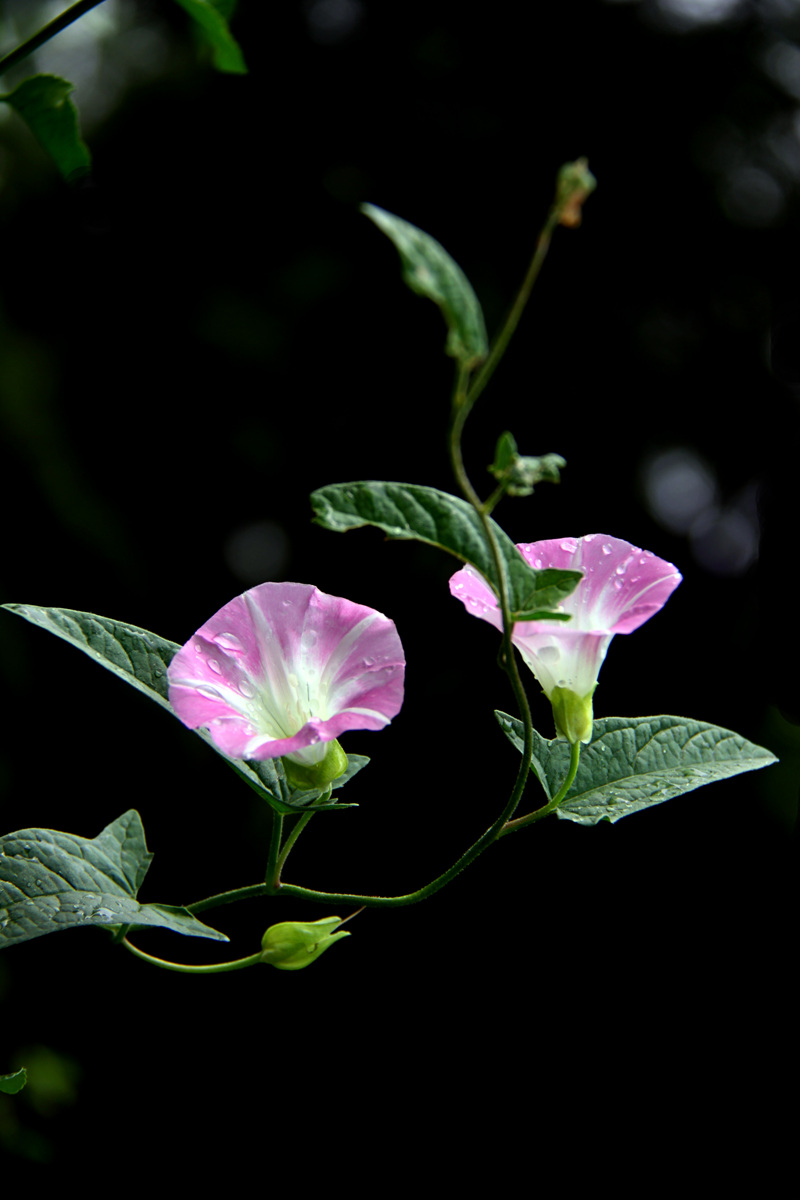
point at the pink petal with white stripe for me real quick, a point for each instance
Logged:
(285, 668)
(622, 587)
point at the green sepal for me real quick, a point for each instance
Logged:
(572, 714)
(318, 775)
(43, 103)
(633, 763)
(430, 271)
(51, 880)
(424, 514)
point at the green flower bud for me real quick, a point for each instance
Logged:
(292, 945)
(575, 182)
(316, 775)
(572, 714)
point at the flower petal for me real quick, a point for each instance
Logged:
(622, 587)
(284, 667)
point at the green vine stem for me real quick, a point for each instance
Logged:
(290, 841)
(552, 805)
(273, 872)
(460, 410)
(46, 32)
(512, 320)
(186, 968)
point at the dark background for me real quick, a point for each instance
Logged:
(206, 330)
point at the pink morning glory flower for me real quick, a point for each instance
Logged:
(622, 587)
(284, 670)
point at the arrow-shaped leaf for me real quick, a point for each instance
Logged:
(51, 880)
(633, 763)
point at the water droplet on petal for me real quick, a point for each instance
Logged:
(549, 654)
(214, 666)
(229, 641)
(209, 692)
(607, 549)
(247, 689)
(570, 546)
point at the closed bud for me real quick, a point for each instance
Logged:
(292, 945)
(574, 183)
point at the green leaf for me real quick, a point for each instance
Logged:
(633, 763)
(11, 1084)
(410, 511)
(520, 473)
(43, 103)
(505, 453)
(51, 880)
(536, 614)
(212, 17)
(141, 658)
(430, 271)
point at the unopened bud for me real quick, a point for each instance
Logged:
(292, 945)
(574, 183)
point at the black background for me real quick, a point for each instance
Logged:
(205, 331)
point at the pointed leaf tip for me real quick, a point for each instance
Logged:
(633, 763)
(430, 271)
